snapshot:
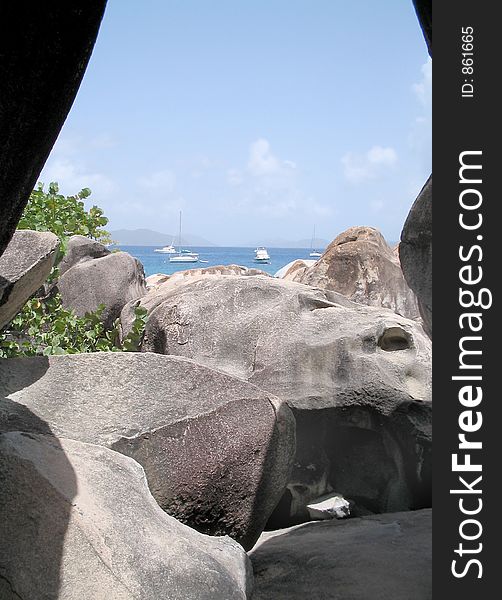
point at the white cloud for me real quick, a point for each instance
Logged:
(163, 181)
(423, 89)
(382, 156)
(234, 177)
(361, 167)
(72, 176)
(263, 162)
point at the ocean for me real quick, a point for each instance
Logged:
(155, 262)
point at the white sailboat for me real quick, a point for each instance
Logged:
(183, 256)
(314, 253)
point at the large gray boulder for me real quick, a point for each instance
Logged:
(24, 267)
(217, 451)
(415, 251)
(112, 280)
(80, 249)
(385, 557)
(356, 377)
(360, 265)
(39, 83)
(78, 521)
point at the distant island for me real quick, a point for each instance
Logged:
(148, 237)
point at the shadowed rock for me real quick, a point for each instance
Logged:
(217, 451)
(24, 267)
(360, 265)
(45, 50)
(118, 543)
(112, 280)
(423, 9)
(385, 556)
(415, 251)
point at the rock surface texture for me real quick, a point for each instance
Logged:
(112, 280)
(415, 251)
(49, 72)
(360, 265)
(80, 249)
(356, 377)
(295, 269)
(24, 267)
(217, 451)
(381, 557)
(78, 521)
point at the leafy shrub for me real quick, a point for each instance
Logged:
(64, 215)
(45, 327)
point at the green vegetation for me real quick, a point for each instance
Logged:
(44, 326)
(64, 215)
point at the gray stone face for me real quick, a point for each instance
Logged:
(79, 249)
(415, 251)
(361, 266)
(78, 521)
(24, 267)
(112, 280)
(385, 557)
(356, 377)
(217, 451)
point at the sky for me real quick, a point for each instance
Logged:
(259, 119)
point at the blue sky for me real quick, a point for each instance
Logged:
(258, 119)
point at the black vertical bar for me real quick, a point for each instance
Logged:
(467, 127)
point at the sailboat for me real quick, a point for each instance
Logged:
(314, 253)
(183, 256)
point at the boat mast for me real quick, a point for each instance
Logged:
(179, 238)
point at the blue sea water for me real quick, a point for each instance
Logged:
(154, 262)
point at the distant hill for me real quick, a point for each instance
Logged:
(147, 237)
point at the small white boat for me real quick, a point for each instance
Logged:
(315, 254)
(166, 249)
(261, 255)
(183, 256)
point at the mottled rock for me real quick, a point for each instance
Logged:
(360, 265)
(153, 281)
(78, 521)
(24, 267)
(385, 556)
(49, 72)
(356, 377)
(79, 249)
(161, 284)
(217, 451)
(294, 269)
(415, 251)
(112, 280)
